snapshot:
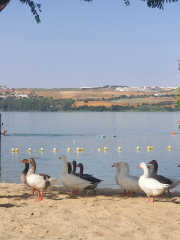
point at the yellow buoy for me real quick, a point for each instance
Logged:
(29, 149)
(151, 148)
(99, 149)
(42, 149)
(82, 149)
(13, 150)
(105, 148)
(68, 149)
(138, 148)
(54, 149)
(16, 149)
(78, 149)
(169, 147)
(119, 148)
(148, 147)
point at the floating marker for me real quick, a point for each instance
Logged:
(169, 147)
(42, 149)
(105, 148)
(103, 136)
(74, 141)
(16, 149)
(29, 149)
(77, 149)
(99, 149)
(138, 148)
(173, 133)
(148, 147)
(119, 148)
(54, 149)
(68, 149)
(151, 148)
(82, 149)
(114, 136)
(12, 150)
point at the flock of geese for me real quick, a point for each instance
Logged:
(150, 182)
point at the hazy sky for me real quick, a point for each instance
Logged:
(81, 44)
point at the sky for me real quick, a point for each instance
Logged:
(83, 44)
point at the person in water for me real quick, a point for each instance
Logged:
(4, 131)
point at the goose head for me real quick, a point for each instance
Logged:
(116, 164)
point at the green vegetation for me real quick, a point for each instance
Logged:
(36, 103)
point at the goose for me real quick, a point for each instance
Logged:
(116, 164)
(126, 181)
(90, 178)
(127, 171)
(70, 180)
(40, 182)
(150, 185)
(24, 174)
(154, 174)
(175, 182)
(69, 167)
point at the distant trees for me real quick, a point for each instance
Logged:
(49, 104)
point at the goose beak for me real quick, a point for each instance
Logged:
(28, 161)
(112, 165)
(21, 161)
(178, 165)
(59, 157)
(149, 163)
(148, 166)
(138, 165)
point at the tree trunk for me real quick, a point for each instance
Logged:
(3, 4)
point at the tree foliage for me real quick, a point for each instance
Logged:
(35, 7)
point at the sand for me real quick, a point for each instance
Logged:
(108, 215)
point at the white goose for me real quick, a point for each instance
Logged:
(127, 171)
(126, 181)
(40, 182)
(71, 181)
(117, 174)
(150, 185)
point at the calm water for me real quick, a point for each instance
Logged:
(60, 129)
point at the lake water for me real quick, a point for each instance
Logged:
(49, 130)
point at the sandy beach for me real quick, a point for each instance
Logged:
(109, 215)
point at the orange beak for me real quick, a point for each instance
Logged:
(28, 161)
(148, 166)
(59, 157)
(178, 165)
(149, 163)
(21, 161)
(138, 165)
(112, 165)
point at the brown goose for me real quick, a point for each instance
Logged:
(40, 182)
(24, 174)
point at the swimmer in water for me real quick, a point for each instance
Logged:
(4, 131)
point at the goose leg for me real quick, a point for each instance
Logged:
(133, 192)
(94, 192)
(124, 192)
(148, 199)
(169, 192)
(84, 191)
(72, 192)
(128, 194)
(153, 199)
(39, 198)
(32, 192)
(77, 192)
